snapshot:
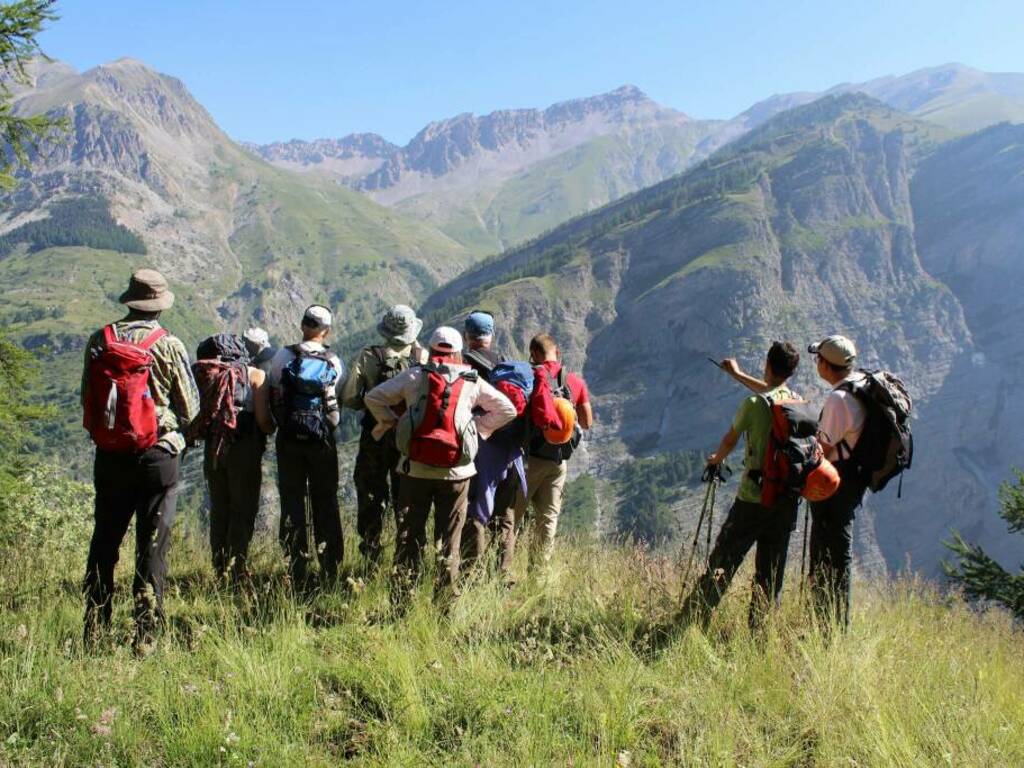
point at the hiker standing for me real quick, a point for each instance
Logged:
(377, 460)
(234, 420)
(547, 464)
(749, 522)
(840, 427)
(305, 380)
(138, 396)
(499, 461)
(439, 411)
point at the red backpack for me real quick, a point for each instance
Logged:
(794, 462)
(428, 432)
(120, 414)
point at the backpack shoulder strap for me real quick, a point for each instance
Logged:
(377, 351)
(480, 359)
(153, 338)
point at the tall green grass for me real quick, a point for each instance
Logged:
(571, 669)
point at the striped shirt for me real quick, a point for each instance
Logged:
(174, 390)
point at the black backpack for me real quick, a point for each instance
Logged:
(885, 447)
(483, 361)
(540, 447)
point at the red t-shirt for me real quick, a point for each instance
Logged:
(543, 413)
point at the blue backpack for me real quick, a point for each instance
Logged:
(517, 372)
(307, 385)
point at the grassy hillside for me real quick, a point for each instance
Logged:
(490, 218)
(568, 671)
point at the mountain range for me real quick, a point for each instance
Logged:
(497, 180)
(645, 239)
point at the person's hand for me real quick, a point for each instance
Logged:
(380, 430)
(730, 366)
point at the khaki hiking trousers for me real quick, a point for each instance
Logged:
(545, 481)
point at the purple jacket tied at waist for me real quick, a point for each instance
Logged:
(495, 458)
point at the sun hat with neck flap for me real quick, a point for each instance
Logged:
(147, 292)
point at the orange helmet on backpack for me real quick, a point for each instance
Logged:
(567, 413)
(821, 482)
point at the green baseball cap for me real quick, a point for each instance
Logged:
(835, 349)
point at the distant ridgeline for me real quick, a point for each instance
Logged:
(83, 221)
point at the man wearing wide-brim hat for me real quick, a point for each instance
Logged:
(137, 483)
(375, 477)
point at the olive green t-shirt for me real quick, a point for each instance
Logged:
(753, 421)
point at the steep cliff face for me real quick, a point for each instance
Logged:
(800, 229)
(968, 201)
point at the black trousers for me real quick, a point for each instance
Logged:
(449, 499)
(376, 481)
(143, 486)
(309, 470)
(234, 482)
(831, 549)
(747, 524)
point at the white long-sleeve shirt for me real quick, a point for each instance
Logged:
(480, 402)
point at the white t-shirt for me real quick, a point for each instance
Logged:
(842, 419)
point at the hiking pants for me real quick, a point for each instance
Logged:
(477, 535)
(376, 482)
(545, 481)
(831, 550)
(143, 485)
(309, 469)
(234, 482)
(449, 499)
(747, 524)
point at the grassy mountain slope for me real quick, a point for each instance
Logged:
(488, 219)
(800, 229)
(256, 241)
(582, 669)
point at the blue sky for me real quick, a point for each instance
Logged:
(280, 70)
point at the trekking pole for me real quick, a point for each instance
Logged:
(711, 520)
(803, 555)
(713, 476)
(696, 533)
(310, 541)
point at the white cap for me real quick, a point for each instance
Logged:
(258, 337)
(446, 339)
(317, 316)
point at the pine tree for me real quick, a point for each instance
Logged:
(20, 23)
(982, 577)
